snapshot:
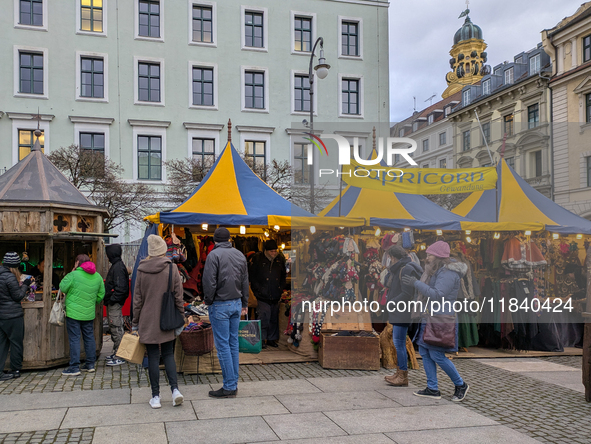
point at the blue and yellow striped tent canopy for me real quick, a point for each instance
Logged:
(516, 205)
(232, 194)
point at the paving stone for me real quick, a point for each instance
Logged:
(474, 435)
(303, 425)
(237, 407)
(15, 421)
(130, 434)
(321, 402)
(223, 431)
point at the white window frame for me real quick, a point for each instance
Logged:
(16, 71)
(511, 76)
(447, 111)
(311, 15)
(488, 83)
(466, 97)
(295, 72)
(439, 138)
(415, 126)
(293, 139)
(423, 150)
(136, 26)
(359, 21)
(17, 25)
(401, 133)
(213, 66)
(141, 130)
(79, 20)
(203, 134)
(243, 108)
(243, 10)
(19, 124)
(214, 22)
(361, 95)
(136, 61)
(93, 128)
(538, 61)
(96, 55)
(430, 119)
(256, 137)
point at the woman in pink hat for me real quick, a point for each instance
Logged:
(440, 282)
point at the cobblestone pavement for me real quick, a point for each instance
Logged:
(544, 411)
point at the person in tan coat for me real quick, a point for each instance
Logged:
(150, 285)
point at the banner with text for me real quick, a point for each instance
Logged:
(419, 180)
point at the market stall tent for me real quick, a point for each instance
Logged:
(516, 205)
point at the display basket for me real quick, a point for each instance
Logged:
(197, 342)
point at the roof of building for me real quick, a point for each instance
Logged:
(582, 13)
(424, 114)
(468, 31)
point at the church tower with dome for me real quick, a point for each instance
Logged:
(468, 62)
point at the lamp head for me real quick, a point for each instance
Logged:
(322, 67)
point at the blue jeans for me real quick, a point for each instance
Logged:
(399, 339)
(224, 317)
(76, 327)
(433, 357)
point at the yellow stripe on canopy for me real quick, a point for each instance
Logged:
(219, 194)
(502, 226)
(379, 204)
(467, 204)
(515, 205)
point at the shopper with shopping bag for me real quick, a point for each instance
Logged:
(225, 285)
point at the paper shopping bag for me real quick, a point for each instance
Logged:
(131, 349)
(249, 337)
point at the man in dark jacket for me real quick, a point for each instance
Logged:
(116, 293)
(267, 275)
(225, 288)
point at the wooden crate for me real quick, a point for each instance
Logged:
(349, 352)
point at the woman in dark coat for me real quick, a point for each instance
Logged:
(399, 314)
(12, 321)
(150, 285)
(440, 282)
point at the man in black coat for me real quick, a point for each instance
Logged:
(116, 293)
(267, 275)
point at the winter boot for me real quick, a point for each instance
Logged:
(400, 379)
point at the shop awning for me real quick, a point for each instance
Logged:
(516, 205)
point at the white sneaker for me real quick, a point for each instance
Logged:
(155, 402)
(177, 398)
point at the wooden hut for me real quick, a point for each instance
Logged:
(44, 217)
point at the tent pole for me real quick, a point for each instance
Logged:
(340, 190)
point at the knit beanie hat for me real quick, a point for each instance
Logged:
(11, 259)
(221, 235)
(156, 246)
(270, 245)
(439, 249)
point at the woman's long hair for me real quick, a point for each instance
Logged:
(16, 272)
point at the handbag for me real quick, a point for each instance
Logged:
(249, 336)
(131, 349)
(58, 314)
(440, 331)
(170, 317)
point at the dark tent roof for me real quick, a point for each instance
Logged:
(36, 179)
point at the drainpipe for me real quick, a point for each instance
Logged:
(550, 39)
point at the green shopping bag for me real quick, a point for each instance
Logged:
(250, 337)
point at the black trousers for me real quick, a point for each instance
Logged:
(12, 333)
(154, 351)
(268, 313)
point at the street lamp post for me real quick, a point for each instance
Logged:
(322, 71)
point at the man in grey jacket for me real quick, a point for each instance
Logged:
(225, 288)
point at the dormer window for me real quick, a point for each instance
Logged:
(415, 126)
(466, 97)
(430, 119)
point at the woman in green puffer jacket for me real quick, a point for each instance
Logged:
(84, 289)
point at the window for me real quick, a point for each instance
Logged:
(425, 145)
(538, 163)
(534, 64)
(30, 73)
(301, 92)
(26, 140)
(486, 165)
(203, 150)
(149, 150)
(149, 18)
(301, 169)
(508, 125)
(447, 110)
(396, 158)
(519, 59)
(350, 96)
(588, 108)
(442, 139)
(466, 97)
(31, 12)
(148, 82)
(430, 119)
(510, 161)
(256, 156)
(486, 133)
(415, 126)
(443, 163)
(94, 142)
(303, 34)
(586, 48)
(350, 38)
(497, 72)
(401, 133)
(92, 80)
(202, 24)
(486, 87)
(589, 171)
(253, 29)
(508, 76)
(533, 116)
(203, 86)
(254, 90)
(466, 140)
(91, 15)
(425, 165)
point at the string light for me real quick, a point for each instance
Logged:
(242, 229)
(439, 232)
(204, 227)
(555, 236)
(528, 233)
(307, 240)
(266, 234)
(579, 236)
(497, 236)
(468, 232)
(341, 228)
(312, 229)
(277, 227)
(423, 247)
(283, 246)
(378, 231)
(468, 239)
(407, 229)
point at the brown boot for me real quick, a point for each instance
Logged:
(400, 379)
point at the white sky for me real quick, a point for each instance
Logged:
(421, 36)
